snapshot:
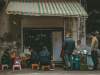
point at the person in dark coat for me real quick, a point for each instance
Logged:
(34, 57)
(5, 59)
(44, 57)
(69, 46)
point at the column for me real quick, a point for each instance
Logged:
(74, 29)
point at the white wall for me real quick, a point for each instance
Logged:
(57, 45)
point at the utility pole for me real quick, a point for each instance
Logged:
(2, 4)
(84, 3)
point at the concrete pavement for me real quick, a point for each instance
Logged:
(56, 72)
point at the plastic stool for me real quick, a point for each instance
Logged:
(44, 67)
(34, 66)
(16, 66)
(4, 66)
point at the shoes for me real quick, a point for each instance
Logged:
(95, 68)
(68, 69)
(52, 69)
(65, 68)
(39, 69)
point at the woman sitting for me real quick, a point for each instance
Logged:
(44, 57)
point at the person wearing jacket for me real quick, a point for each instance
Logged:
(44, 57)
(34, 57)
(69, 46)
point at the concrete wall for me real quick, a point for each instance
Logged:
(4, 23)
(71, 24)
(44, 22)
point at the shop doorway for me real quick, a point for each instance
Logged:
(51, 38)
(37, 38)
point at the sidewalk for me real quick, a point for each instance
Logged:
(55, 72)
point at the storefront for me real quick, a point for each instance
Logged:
(44, 22)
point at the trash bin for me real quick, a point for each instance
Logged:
(75, 62)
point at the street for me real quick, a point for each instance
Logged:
(56, 72)
(49, 32)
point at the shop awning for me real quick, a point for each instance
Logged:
(46, 8)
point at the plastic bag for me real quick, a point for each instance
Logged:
(90, 61)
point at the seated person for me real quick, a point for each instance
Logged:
(5, 59)
(13, 56)
(34, 57)
(44, 57)
(17, 61)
